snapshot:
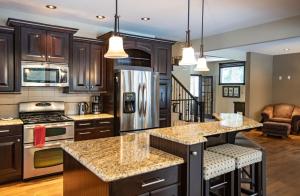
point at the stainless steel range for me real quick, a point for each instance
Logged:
(59, 128)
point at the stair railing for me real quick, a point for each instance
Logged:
(189, 108)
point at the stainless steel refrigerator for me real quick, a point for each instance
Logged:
(136, 100)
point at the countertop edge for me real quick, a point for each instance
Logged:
(105, 179)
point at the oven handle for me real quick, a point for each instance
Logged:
(47, 144)
(50, 126)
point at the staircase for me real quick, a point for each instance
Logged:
(185, 106)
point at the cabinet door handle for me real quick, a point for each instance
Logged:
(104, 131)
(104, 123)
(4, 131)
(85, 133)
(156, 181)
(84, 124)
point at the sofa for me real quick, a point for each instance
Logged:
(282, 114)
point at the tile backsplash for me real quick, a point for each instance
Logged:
(9, 102)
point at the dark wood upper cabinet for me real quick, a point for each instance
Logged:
(79, 80)
(6, 61)
(97, 68)
(57, 47)
(88, 70)
(33, 44)
(162, 62)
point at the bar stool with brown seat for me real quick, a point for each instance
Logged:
(218, 174)
(244, 157)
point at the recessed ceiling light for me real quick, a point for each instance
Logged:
(286, 49)
(100, 17)
(145, 18)
(53, 7)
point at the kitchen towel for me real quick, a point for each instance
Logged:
(39, 136)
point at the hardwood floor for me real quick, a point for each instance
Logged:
(49, 186)
(283, 165)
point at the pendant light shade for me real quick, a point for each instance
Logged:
(188, 56)
(115, 44)
(201, 65)
(115, 48)
(201, 62)
(188, 52)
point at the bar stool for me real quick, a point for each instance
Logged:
(218, 173)
(244, 157)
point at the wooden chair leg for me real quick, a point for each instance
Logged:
(206, 188)
(258, 178)
(229, 190)
(237, 182)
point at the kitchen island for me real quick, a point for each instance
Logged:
(164, 161)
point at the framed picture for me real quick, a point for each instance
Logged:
(231, 91)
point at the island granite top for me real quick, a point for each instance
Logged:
(194, 133)
(120, 157)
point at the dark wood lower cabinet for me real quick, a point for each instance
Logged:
(11, 154)
(79, 181)
(93, 129)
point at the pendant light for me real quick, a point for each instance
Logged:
(201, 63)
(188, 53)
(115, 45)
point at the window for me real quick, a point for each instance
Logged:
(232, 73)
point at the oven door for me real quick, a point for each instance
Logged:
(45, 75)
(42, 161)
(54, 131)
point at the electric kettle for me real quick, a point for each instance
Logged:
(83, 108)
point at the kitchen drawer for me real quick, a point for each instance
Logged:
(94, 123)
(11, 130)
(172, 190)
(93, 133)
(141, 184)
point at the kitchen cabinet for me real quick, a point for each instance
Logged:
(93, 129)
(11, 153)
(165, 103)
(162, 60)
(6, 60)
(45, 46)
(88, 68)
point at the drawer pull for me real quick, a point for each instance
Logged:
(156, 181)
(4, 131)
(104, 123)
(104, 131)
(84, 124)
(163, 119)
(85, 133)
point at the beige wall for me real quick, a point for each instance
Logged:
(259, 69)
(285, 90)
(9, 102)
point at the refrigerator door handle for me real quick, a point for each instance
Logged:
(140, 108)
(145, 95)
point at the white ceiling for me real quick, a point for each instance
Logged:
(270, 48)
(168, 18)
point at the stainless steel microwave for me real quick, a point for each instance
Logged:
(45, 74)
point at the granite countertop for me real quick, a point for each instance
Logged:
(120, 157)
(90, 116)
(11, 122)
(197, 132)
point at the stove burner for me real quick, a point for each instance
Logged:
(49, 117)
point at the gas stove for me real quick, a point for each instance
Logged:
(59, 129)
(42, 112)
(47, 117)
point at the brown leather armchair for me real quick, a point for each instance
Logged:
(282, 113)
